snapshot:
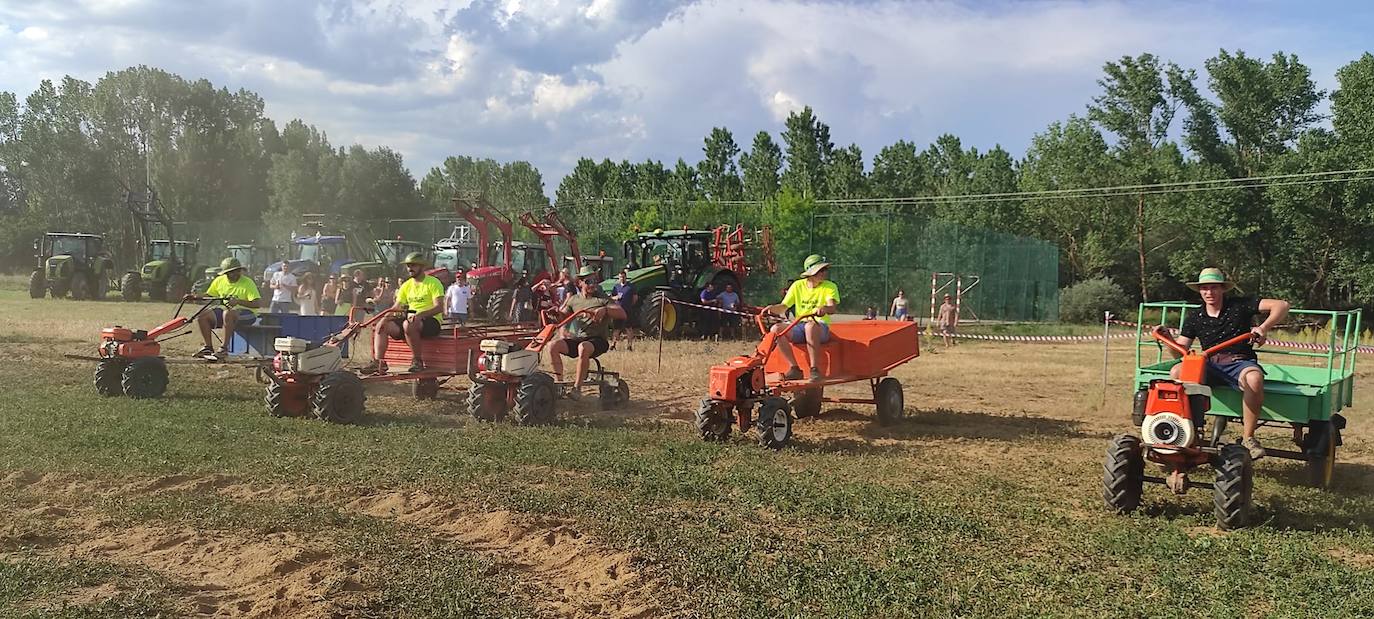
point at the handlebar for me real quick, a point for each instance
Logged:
(763, 328)
(1178, 348)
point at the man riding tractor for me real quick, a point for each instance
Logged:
(1220, 319)
(817, 298)
(585, 338)
(418, 303)
(241, 299)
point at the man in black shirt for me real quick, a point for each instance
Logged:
(1220, 319)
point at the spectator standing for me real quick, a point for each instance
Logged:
(457, 298)
(329, 296)
(948, 321)
(899, 310)
(283, 290)
(307, 296)
(384, 295)
(624, 295)
(728, 299)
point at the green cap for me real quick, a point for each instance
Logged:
(813, 265)
(1212, 275)
(416, 257)
(229, 264)
(587, 271)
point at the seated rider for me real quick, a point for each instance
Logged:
(811, 294)
(1220, 319)
(418, 303)
(585, 337)
(241, 296)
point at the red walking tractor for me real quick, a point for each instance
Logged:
(857, 351)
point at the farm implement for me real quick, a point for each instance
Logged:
(1172, 415)
(309, 379)
(857, 351)
(130, 361)
(506, 377)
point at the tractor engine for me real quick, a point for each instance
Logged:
(125, 343)
(736, 380)
(503, 357)
(1175, 413)
(295, 356)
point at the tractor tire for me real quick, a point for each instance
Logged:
(425, 389)
(109, 377)
(1319, 444)
(177, 287)
(131, 287)
(534, 400)
(487, 401)
(774, 424)
(891, 401)
(58, 288)
(1123, 474)
(498, 306)
(287, 399)
(807, 402)
(613, 393)
(339, 398)
(81, 287)
(157, 291)
(38, 286)
(1232, 487)
(713, 420)
(102, 287)
(659, 316)
(145, 378)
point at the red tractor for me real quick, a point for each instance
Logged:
(130, 360)
(500, 264)
(1172, 415)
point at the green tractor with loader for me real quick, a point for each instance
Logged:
(254, 258)
(71, 263)
(670, 268)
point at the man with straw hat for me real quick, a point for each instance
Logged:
(418, 301)
(585, 337)
(238, 292)
(812, 294)
(1221, 318)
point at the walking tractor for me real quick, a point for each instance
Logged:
(130, 361)
(506, 377)
(857, 351)
(1172, 414)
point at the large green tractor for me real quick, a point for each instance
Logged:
(166, 276)
(254, 258)
(388, 259)
(70, 263)
(674, 265)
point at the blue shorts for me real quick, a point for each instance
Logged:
(900, 313)
(245, 317)
(798, 333)
(1229, 371)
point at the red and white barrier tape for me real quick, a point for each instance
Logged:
(1034, 338)
(711, 308)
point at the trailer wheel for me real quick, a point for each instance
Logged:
(1320, 447)
(1231, 490)
(145, 378)
(131, 287)
(534, 400)
(774, 424)
(713, 420)
(891, 401)
(487, 401)
(109, 377)
(425, 389)
(807, 402)
(37, 285)
(285, 399)
(339, 398)
(1123, 474)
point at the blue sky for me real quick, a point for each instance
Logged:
(549, 81)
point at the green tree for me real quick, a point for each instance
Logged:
(762, 166)
(899, 172)
(717, 170)
(844, 174)
(808, 148)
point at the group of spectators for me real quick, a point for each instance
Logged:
(293, 294)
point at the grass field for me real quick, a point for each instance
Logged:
(985, 501)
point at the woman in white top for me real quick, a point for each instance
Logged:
(307, 297)
(898, 310)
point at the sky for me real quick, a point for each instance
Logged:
(549, 81)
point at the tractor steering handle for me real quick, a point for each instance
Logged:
(763, 327)
(1178, 348)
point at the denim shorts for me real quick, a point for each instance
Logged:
(798, 333)
(245, 317)
(1229, 371)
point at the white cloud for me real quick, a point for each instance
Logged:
(552, 96)
(34, 34)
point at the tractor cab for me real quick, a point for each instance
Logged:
(604, 265)
(252, 257)
(63, 259)
(525, 258)
(675, 258)
(183, 252)
(78, 246)
(392, 252)
(319, 254)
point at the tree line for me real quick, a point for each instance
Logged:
(68, 150)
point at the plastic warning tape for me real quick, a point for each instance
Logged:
(711, 308)
(1034, 338)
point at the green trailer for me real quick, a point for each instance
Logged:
(1308, 390)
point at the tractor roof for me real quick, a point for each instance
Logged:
(673, 234)
(320, 240)
(75, 234)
